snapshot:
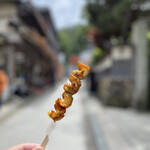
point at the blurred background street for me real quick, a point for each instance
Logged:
(30, 122)
(41, 43)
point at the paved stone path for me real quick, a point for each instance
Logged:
(88, 125)
(122, 129)
(29, 124)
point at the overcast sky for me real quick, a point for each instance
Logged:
(64, 12)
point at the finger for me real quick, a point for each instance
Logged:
(38, 148)
(29, 146)
(24, 146)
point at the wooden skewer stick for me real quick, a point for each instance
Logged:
(49, 131)
(45, 141)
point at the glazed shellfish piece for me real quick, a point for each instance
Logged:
(69, 90)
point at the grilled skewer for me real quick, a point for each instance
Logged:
(69, 90)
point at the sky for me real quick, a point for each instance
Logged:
(64, 12)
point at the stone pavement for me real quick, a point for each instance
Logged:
(88, 125)
(8, 108)
(29, 123)
(122, 129)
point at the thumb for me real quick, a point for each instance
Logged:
(38, 148)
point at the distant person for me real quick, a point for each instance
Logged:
(93, 86)
(3, 84)
(27, 146)
(52, 76)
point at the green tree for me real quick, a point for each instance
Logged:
(113, 17)
(73, 39)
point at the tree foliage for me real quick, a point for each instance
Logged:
(73, 39)
(113, 17)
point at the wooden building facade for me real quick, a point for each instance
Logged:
(29, 45)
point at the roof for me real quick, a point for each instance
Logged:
(31, 17)
(13, 1)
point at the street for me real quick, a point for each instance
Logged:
(88, 125)
(106, 42)
(30, 122)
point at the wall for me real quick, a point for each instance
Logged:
(139, 30)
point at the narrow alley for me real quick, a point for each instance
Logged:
(88, 125)
(30, 122)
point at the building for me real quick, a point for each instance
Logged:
(29, 46)
(122, 77)
(114, 76)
